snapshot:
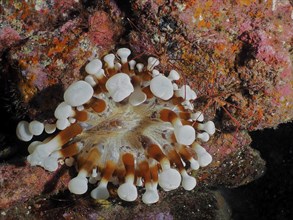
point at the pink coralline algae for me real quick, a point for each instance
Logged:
(101, 29)
(8, 37)
(239, 55)
(64, 6)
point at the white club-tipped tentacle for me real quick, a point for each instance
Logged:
(69, 161)
(93, 66)
(137, 97)
(80, 108)
(95, 177)
(184, 134)
(50, 128)
(162, 87)
(119, 86)
(204, 159)
(62, 123)
(79, 184)
(101, 191)
(187, 105)
(175, 86)
(123, 53)
(94, 173)
(109, 59)
(127, 191)
(78, 93)
(169, 178)
(36, 127)
(152, 63)
(90, 80)
(194, 164)
(100, 74)
(188, 182)
(51, 162)
(71, 120)
(155, 73)
(198, 148)
(42, 151)
(63, 110)
(204, 136)
(174, 75)
(139, 181)
(31, 148)
(208, 127)
(151, 194)
(186, 93)
(139, 67)
(197, 116)
(22, 131)
(117, 66)
(132, 64)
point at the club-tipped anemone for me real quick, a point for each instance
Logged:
(127, 124)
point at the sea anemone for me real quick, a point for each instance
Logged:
(125, 123)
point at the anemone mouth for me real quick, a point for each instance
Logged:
(125, 122)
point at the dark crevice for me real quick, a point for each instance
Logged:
(269, 196)
(246, 54)
(125, 6)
